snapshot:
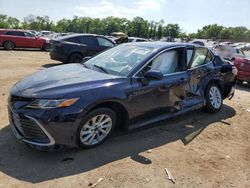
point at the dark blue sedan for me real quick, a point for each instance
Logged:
(129, 86)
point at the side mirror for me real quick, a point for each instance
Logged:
(226, 68)
(86, 59)
(154, 75)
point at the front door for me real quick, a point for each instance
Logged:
(152, 98)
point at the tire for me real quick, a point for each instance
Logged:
(8, 45)
(240, 82)
(75, 58)
(213, 96)
(89, 135)
(46, 47)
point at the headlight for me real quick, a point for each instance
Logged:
(48, 104)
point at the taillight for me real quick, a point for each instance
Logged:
(59, 44)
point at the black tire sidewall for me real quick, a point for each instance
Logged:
(46, 47)
(10, 42)
(209, 107)
(71, 58)
(91, 114)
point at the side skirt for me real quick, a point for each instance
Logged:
(164, 117)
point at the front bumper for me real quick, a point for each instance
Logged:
(45, 129)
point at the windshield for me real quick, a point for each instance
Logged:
(119, 60)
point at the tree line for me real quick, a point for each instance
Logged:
(137, 27)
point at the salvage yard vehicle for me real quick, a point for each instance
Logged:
(129, 86)
(243, 66)
(73, 48)
(137, 39)
(10, 39)
(228, 52)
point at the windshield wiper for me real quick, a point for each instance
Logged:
(102, 68)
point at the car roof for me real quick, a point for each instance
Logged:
(78, 35)
(160, 45)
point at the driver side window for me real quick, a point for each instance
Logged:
(166, 63)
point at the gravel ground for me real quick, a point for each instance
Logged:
(199, 149)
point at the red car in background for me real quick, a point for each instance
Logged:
(243, 66)
(10, 39)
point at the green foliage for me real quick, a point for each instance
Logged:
(137, 27)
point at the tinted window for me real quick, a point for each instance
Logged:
(15, 33)
(73, 39)
(88, 40)
(28, 35)
(201, 57)
(104, 42)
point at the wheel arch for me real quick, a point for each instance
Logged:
(218, 82)
(120, 110)
(10, 41)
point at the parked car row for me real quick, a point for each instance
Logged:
(238, 57)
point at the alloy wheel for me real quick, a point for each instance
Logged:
(96, 129)
(215, 97)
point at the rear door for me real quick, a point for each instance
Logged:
(200, 66)
(89, 44)
(30, 40)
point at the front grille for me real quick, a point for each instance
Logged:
(29, 129)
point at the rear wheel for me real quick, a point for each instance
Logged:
(96, 127)
(9, 45)
(46, 47)
(75, 58)
(213, 98)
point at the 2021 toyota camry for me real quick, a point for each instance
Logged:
(130, 85)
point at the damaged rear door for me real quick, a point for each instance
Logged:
(152, 98)
(200, 66)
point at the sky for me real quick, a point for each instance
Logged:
(189, 14)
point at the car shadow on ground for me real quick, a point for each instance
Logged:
(23, 163)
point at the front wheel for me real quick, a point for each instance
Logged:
(213, 98)
(96, 127)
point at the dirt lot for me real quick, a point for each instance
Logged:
(199, 149)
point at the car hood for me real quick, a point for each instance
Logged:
(59, 81)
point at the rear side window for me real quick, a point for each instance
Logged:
(88, 40)
(73, 39)
(28, 35)
(15, 33)
(104, 42)
(201, 57)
